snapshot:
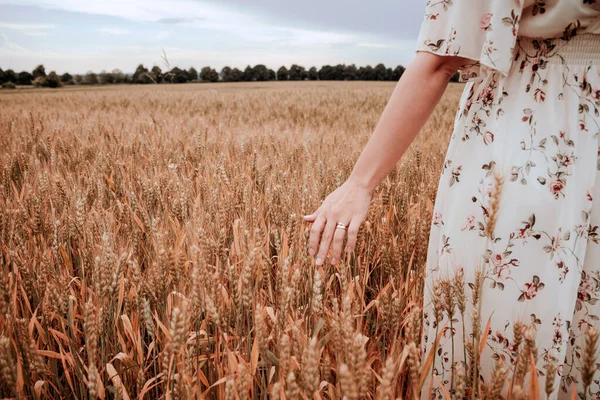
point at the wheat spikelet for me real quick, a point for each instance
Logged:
(497, 382)
(91, 330)
(275, 391)
(262, 331)
(292, 391)
(550, 378)
(386, 389)
(518, 393)
(523, 360)
(357, 361)
(4, 294)
(92, 381)
(461, 382)
(242, 382)
(310, 367)
(494, 204)
(317, 297)
(459, 290)
(8, 372)
(348, 384)
(590, 354)
(31, 356)
(414, 366)
(438, 310)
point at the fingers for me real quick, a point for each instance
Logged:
(338, 243)
(325, 241)
(352, 235)
(315, 234)
(311, 217)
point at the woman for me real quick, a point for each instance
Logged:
(525, 150)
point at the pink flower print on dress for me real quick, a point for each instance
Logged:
(556, 186)
(469, 223)
(488, 138)
(485, 22)
(437, 219)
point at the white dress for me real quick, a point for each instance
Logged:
(530, 114)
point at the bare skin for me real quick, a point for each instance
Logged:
(413, 100)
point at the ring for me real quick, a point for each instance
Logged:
(340, 226)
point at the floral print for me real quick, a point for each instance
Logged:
(530, 112)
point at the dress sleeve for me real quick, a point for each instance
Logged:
(484, 31)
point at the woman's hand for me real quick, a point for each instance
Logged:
(347, 204)
(412, 102)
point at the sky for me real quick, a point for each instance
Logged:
(77, 36)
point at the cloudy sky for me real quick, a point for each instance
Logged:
(80, 35)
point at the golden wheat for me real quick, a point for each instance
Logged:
(151, 246)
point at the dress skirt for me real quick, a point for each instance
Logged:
(519, 201)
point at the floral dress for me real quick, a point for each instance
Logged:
(519, 195)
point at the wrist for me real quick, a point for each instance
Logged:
(361, 183)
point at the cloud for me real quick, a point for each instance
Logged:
(376, 45)
(7, 47)
(178, 20)
(114, 31)
(162, 35)
(28, 29)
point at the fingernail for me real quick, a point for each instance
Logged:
(319, 261)
(332, 261)
(311, 251)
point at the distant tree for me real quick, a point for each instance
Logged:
(282, 74)
(90, 78)
(248, 74)
(325, 73)
(67, 79)
(40, 81)
(105, 78)
(141, 75)
(2, 76)
(8, 85)
(10, 76)
(231, 75)
(53, 80)
(340, 72)
(350, 73)
(313, 74)
(261, 73)
(398, 71)
(297, 73)
(329, 73)
(226, 74)
(78, 79)
(39, 71)
(237, 75)
(381, 73)
(455, 77)
(118, 76)
(192, 74)
(176, 75)
(156, 74)
(24, 78)
(367, 73)
(209, 74)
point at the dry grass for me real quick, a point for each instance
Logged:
(152, 244)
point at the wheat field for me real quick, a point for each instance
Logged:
(152, 243)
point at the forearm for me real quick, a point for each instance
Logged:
(410, 105)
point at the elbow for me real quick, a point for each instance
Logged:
(449, 65)
(443, 66)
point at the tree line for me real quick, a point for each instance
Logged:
(155, 75)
